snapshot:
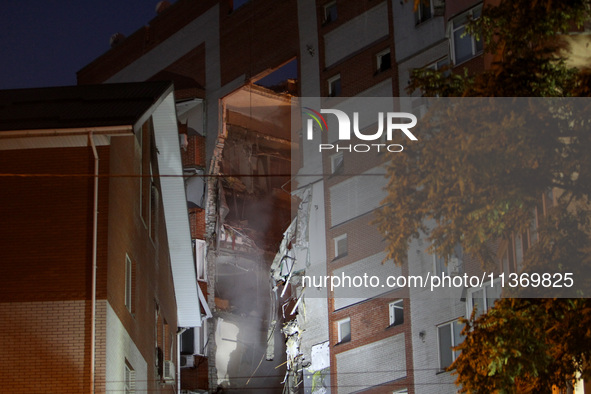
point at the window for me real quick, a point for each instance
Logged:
(330, 12)
(440, 64)
(344, 330)
(403, 391)
(513, 249)
(465, 46)
(483, 298)
(334, 86)
(129, 284)
(449, 335)
(340, 246)
(336, 162)
(424, 11)
(454, 263)
(200, 261)
(129, 379)
(396, 313)
(383, 60)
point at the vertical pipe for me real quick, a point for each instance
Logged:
(94, 258)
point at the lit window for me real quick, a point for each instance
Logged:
(449, 335)
(334, 86)
(129, 379)
(383, 60)
(465, 46)
(336, 162)
(344, 330)
(424, 11)
(340, 246)
(454, 264)
(396, 313)
(330, 12)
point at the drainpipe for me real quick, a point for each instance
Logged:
(178, 357)
(94, 259)
(108, 131)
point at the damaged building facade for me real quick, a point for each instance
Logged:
(237, 68)
(97, 257)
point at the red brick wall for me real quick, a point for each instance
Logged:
(46, 231)
(259, 35)
(43, 347)
(197, 222)
(129, 234)
(358, 71)
(195, 153)
(196, 377)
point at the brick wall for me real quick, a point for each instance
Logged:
(197, 222)
(46, 232)
(45, 347)
(195, 153)
(147, 247)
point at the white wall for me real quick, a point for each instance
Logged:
(370, 365)
(119, 348)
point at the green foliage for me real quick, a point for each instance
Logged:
(476, 176)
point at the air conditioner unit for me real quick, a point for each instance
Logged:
(187, 361)
(168, 372)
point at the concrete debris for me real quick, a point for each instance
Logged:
(287, 268)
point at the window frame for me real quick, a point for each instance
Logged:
(419, 13)
(336, 162)
(486, 296)
(334, 90)
(128, 378)
(454, 353)
(379, 62)
(465, 17)
(336, 240)
(439, 261)
(392, 306)
(327, 12)
(129, 285)
(200, 259)
(340, 338)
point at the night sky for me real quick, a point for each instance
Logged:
(44, 42)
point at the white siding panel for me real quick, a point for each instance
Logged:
(120, 347)
(357, 195)
(370, 365)
(175, 213)
(370, 266)
(356, 34)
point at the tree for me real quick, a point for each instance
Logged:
(478, 172)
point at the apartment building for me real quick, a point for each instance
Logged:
(220, 56)
(97, 261)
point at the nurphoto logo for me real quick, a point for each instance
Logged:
(394, 122)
